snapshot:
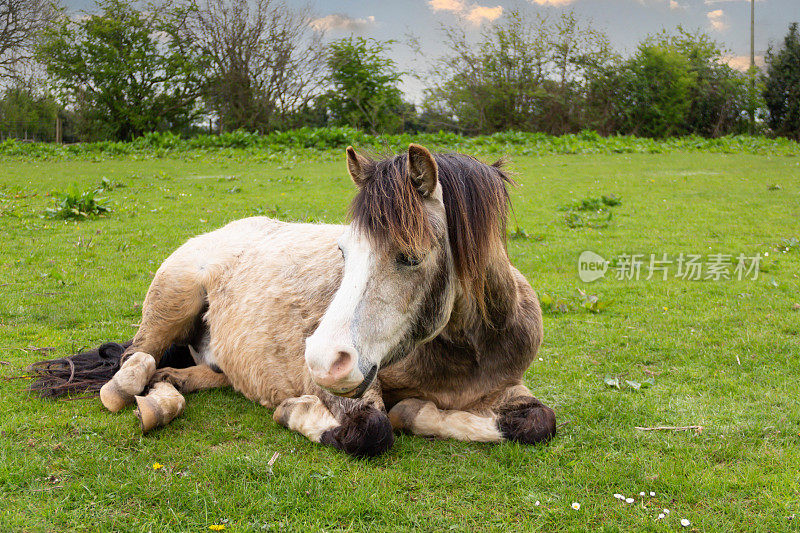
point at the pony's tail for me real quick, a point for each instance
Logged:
(80, 373)
(87, 372)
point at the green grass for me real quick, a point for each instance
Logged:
(724, 355)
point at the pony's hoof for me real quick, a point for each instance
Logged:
(113, 398)
(130, 380)
(528, 424)
(160, 407)
(295, 407)
(367, 432)
(403, 414)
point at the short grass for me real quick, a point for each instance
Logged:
(724, 355)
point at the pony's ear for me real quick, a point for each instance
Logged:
(422, 169)
(356, 165)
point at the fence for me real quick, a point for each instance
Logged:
(41, 130)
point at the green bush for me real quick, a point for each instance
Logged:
(77, 205)
(305, 141)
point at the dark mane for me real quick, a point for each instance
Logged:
(389, 209)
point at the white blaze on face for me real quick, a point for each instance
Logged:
(331, 354)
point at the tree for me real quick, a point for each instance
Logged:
(607, 97)
(265, 61)
(576, 52)
(498, 84)
(364, 92)
(21, 21)
(26, 114)
(720, 96)
(656, 91)
(782, 86)
(674, 84)
(525, 73)
(127, 71)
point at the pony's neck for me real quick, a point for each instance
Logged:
(500, 299)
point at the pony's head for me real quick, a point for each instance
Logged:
(424, 230)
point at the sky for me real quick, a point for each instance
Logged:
(625, 22)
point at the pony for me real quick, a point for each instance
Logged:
(410, 318)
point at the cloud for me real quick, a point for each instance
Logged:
(742, 63)
(552, 2)
(474, 13)
(717, 20)
(478, 14)
(675, 5)
(338, 21)
(456, 6)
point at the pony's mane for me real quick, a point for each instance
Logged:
(388, 209)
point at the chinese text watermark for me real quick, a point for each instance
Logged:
(690, 267)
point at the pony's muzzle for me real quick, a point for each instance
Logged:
(334, 368)
(359, 391)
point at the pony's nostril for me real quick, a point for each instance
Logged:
(342, 365)
(332, 368)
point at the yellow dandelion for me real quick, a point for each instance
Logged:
(157, 466)
(217, 527)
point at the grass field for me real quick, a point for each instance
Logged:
(724, 355)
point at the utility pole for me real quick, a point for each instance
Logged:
(752, 33)
(752, 66)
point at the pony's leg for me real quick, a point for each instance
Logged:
(523, 418)
(164, 402)
(307, 415)
(169, 314)
(358, 427)
(129, 380)
(170, 311)
(423, 418)
(516, 415)
(191, 379)
(161, 406)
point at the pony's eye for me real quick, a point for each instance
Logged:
(341, 250)
(408, 260)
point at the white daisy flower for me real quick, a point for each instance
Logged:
(628, 500)
(685, 523)
(642, 494)
(652, 493)
(576, 506)
(661, 516)
(619, 496)
(537, 503)
(666, 511)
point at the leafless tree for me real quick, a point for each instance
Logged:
(267, 59)
(20, 23)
